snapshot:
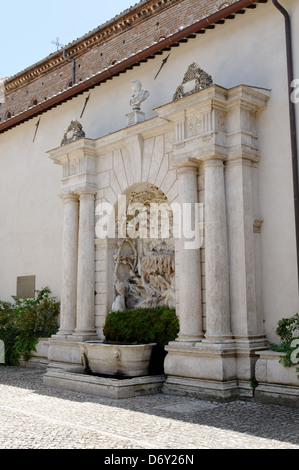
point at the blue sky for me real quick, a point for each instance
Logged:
(28, 27)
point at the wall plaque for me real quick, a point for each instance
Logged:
(26, 286)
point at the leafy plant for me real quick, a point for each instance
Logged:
(288, 332)
(23, 322)
(253, 383)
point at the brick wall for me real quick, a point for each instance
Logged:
(122, 37)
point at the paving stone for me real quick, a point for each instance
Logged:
(35, 416)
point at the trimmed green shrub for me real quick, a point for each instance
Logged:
(23, 322)
(158, 325)
(141, 326)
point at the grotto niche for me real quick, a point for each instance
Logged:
(144, 269)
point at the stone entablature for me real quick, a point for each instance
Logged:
(201, 148)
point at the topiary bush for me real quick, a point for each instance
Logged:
(142, 325)
(158, 325)
(23, 322)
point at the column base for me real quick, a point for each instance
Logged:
(206, 370)
(63, 334)
(246, 348)
(201, 388)
(189, 339)
(201, 361)
(215, 368)
(219, 339)
(85, 335)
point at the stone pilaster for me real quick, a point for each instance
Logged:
(241, 240)
(246, 320)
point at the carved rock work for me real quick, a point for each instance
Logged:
(145, 267)
(195, 79)
(73, 132)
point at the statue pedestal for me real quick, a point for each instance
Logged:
(135, 117)
(204, 370)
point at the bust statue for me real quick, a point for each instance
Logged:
(138, 95)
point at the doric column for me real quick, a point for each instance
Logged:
(216, 253)
(69, 265)
(190, 311)
(86, 267)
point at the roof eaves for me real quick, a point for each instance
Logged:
(127, 63)
(77, 41)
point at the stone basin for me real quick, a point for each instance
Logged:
(129, 360)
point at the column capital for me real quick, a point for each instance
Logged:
(69, 196)
(105, 242)
(214, 160)
(85, 192)
(186, 162)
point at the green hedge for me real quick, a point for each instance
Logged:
(23, 322)
(142, 325)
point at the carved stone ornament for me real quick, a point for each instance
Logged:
(257, 225)
(73, 132)
(195, 79)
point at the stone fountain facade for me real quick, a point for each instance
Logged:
(201, 151)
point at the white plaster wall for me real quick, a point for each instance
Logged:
(249, 49)
(30, 212)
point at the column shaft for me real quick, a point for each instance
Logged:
(216, 253)
(86, 267)
(190, 311)
(69, 265)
